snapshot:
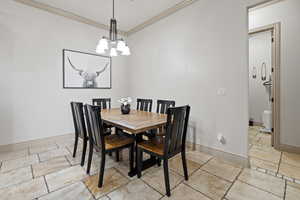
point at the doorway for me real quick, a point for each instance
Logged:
(264, 86)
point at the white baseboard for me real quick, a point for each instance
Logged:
(288, 148)
(236, 159)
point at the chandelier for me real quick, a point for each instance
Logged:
(112, 45)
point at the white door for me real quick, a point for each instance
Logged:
(260, 65)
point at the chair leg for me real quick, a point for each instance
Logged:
(158, 162)
(75, 146)
(83, 152)
(117, 152)
(186, 176)
(117, 156)
(110, 153)
(139, 162)
(90, 158)
(101, 174)
(167, 181)
(131, 156)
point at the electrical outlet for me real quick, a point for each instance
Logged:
(221, 91)
(221, 138)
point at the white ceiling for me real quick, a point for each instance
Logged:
(129, 13)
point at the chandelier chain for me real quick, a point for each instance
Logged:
(113, 9)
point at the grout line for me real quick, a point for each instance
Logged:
(125, 176)
(70, 152)
(55, 189)
(236, 178)
(201, 165)
(88, 189)
(38, 155)
(264, 160)
(181, 182)
(46, 184)
(65, 186)
(219, 176)
(152, 187)
(279, 162)
(260, 188)
(177, 185)
(56, 144)
(285, 186)
(277, 175)
(108, 197)
(161, 198)
(198, 191)
(28, 151)
(118, 172)
(31, 171)
(116, 187)
(68, 160)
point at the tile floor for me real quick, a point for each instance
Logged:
(46, 170)
(265, 158)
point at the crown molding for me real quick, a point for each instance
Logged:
(78, 18)
(67, 14)
(263, 4)
(161, 15)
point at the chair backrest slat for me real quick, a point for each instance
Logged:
(74, 117)
(104, 103)
(95, 126)
(144, 105)
(163, 105)
(78, 119)
(177, 122)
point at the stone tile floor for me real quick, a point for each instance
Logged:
(45, 170)
(265, 158)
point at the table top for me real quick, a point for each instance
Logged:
(135, 122)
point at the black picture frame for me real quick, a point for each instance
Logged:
(76, 51)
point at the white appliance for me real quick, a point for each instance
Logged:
(267, 121)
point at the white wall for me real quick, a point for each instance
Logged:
(188, 57)
(260, 51)
(286, 12)
(32, 103)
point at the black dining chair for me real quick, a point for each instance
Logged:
(105, 103)
(80, 128)
(104, 143)
(163, 105)
(170, 145)
(144, 104)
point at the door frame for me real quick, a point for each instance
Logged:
(276, 35)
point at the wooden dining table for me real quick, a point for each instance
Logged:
(135, 123)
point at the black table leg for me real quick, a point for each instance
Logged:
(146, 163)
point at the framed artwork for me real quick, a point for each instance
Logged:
(85, 70)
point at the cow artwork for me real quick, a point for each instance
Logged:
(85, 70)
(89, 78)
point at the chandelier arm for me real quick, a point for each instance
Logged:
(112, 40)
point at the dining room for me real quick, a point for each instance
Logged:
(133, 100)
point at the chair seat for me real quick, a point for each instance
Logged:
(116, 141)
(154, 133)
(155, 145)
